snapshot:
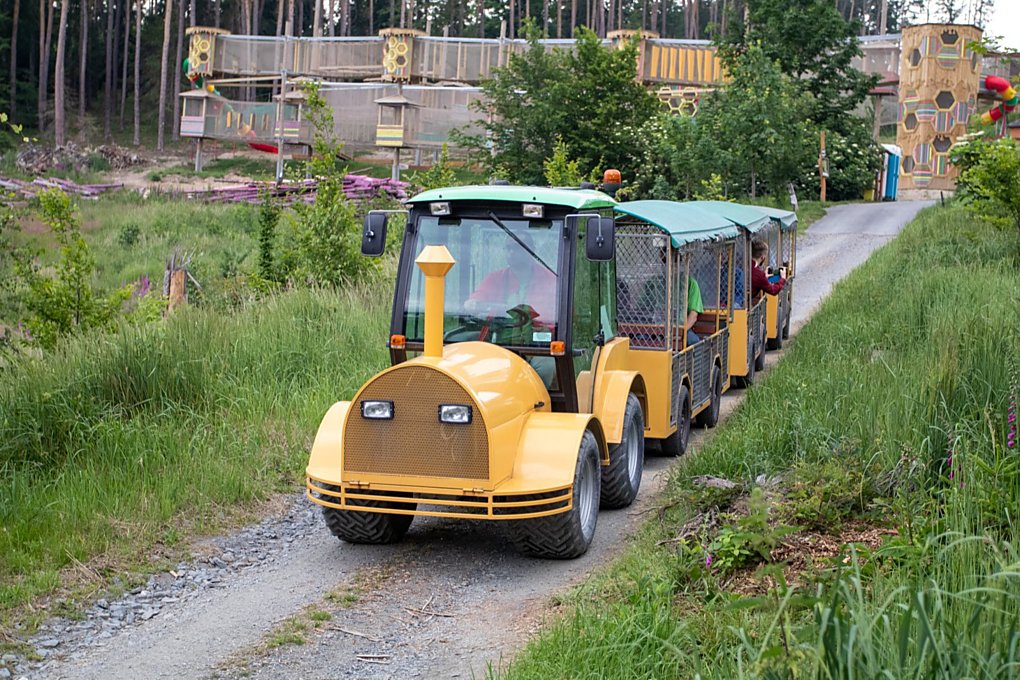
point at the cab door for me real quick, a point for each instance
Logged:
(593, 316)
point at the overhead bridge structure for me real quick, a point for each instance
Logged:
(405, 89)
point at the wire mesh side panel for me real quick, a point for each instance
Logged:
(788, 249)
(741, 275)
(642, 286)
(701, 372)
(754, 324)
(710, 268)
(772, 239)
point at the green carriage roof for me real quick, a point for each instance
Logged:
(576, 199)
(751, 217)
(684, 222)
(787, 220)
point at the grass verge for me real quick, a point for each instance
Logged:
(856, 516)
(114, 449)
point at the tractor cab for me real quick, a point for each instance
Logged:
(523, 278)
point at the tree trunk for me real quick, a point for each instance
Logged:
(573, 17)
(299, 23)
(371, 17)
(883, 17)
(83, 52)
(137, 138)
(510, 21)
(45, 43)
(58, 75)
(217, 9)
(393, 12)
(167, 25)
(279, 17)
(559, 18)
(124, 71)
(317, 19)
(111, 49)
(545, 17)
(662, 17)
(192, 14)
(174, 73)
(14, 60)
(345, 17)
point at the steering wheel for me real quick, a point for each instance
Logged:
(474, 327)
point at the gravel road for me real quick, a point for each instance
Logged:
(451, 599)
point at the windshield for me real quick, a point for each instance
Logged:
(502, 288)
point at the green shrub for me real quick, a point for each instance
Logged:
(66, 302)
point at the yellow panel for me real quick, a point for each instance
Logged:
(771, 316)
(738, 343)
(673, 54)
(656, 55)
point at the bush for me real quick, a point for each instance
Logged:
(66, 303)
(989, 179)
(853, 161)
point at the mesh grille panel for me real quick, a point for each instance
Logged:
(415, 442)
(787, 248)
(642, 285)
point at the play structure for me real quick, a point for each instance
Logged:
(404, 90)
(938, 91)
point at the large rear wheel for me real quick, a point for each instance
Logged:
(621, 479)
(676, 444)
(568, 534)
(710, 416)
(374, 528)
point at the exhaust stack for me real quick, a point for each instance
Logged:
(434, 262)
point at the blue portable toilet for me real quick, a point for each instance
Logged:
(893, 154)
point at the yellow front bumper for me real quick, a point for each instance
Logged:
(441, 502)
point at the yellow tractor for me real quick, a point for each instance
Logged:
(512, 394)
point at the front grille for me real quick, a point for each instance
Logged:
(415, 443)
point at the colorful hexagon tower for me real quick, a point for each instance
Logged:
(939, 78)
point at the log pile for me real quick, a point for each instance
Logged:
(23, 190)
(36, 159)
(356, 187)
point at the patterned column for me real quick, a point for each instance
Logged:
(939, 78)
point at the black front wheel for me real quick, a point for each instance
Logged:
(621, 479)
(375, 528)
(568, 534)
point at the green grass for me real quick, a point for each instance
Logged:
(117, 447)
(131, 237)
(913, 356)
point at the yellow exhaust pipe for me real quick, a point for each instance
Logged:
(434, 262)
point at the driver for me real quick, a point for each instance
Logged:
(525, 282)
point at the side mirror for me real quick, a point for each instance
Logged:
(600, 240)
(373, 237)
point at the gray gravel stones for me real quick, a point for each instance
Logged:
(253, 546)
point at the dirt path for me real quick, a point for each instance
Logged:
(451, 599)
